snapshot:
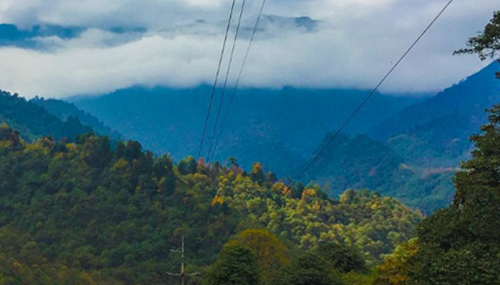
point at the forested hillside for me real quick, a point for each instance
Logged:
(361, 162)
(90, 213)
(435, 133)
(64, 110)
(33, 121)
(414, 154)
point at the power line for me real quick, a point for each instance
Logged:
(241, 72)
(226, 80)
(373, 91)
(216, 78)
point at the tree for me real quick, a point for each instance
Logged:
(232, 161)
(10, 137)
(343, 258)
(236, 265)
(257, 173)
(269, 251)
(96, 151)
(396, 267)
(461, 244)
(7, 134)
(308, 269)
(486, 44)
(187, 166)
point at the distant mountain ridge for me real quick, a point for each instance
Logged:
(361, 162)
(413, 154)
(64, 110)
(270, 126)
(470, 97)
(33, 121)
(436, 132)
(38, 118)
(410, 150)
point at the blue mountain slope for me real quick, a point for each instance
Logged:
(263, 125)
(436, 132)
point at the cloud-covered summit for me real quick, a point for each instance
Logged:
(92, 47)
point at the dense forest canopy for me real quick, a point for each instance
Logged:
(80, 211)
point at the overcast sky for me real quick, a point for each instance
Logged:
(346, 44)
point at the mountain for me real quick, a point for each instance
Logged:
(270, 126)
(413, 154)
(357, 162)
(92, 213)
(361, 162)
(461, 243)
(410, 151)
(436, 132)
(64, 110)
(33, 121)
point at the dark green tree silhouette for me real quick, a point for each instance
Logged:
(343, 258)
(461, 244)
(308, 269)
(236, 265)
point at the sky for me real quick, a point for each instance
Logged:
(93, 47)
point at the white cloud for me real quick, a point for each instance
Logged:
(352, 47)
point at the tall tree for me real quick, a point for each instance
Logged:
(461, 244)
(343, 258)
(236, 265)
(269, 251)
(308, 269)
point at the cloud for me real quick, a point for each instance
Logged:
(343, 44)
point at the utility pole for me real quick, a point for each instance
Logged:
(182, 273)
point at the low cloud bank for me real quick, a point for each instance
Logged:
(177, 43)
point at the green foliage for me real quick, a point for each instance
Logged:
(187, 166)
(270, 253)
(109, 215)
(461, 244)
(308, 269)
(236, 265)
(343, 258)
(354, 278)
(257, 173)
(395, 270)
